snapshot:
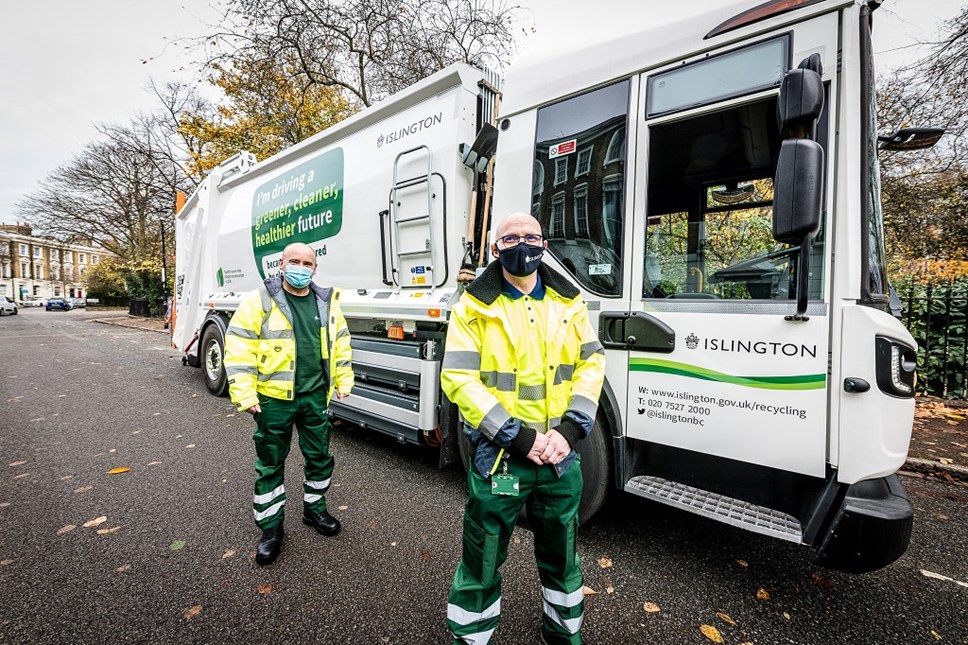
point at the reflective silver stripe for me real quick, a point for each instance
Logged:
(241, 332)
(323, 485)
(232, 370)
(502, 381)
(342, 333)
(542, 426)
(589, 349)
(277, 376)
(561, 598)
(480, 638)
(493, 420)
(454, 360)
(273, 334)
(532, 392)
(461, 616)
(272, 510)
(571, 625)
(583, 404)
(265, 498)
(265, 298)
(343, 363)
(309, 499)
(564, 373)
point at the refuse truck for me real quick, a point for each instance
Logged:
(711, 186)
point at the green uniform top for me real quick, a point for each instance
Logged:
(310, 368)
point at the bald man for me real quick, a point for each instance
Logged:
(287, 352)
(525, 367)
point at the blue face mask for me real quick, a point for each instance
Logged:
(298, 276)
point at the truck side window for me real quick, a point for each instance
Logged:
(709, 232)
(579, 184)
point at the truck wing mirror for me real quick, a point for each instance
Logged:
(801, 102)
(798, 200)
(911, 139)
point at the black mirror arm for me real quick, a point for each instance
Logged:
(803, 281)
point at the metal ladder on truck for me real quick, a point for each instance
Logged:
(413, 210)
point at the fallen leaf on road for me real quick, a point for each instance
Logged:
(940, 516)
(154, 463)
(191, 445)
(605, 563)
(945, 460)
(192, 612)
(124, 568)
(113, 529)
(226, 582)
(17, 463)
(786, 615)
(228, 554)
(342, 508)
(393, 544)
(651, 607)
(822, 581)
(373, 524)
(66, 478)
(743, 563)
(425, 555)
(65, 529)
(136, 432)
(588, 591)
(83, 489)
(177, 545)
(156, 414)
(762, 594)
(38, 419)
(517, 540)
(264, 589)
(97, 521)
(936, 635)
(725, 618)
(711, 633)
(22, 475)
(113, 450)
(118, 470)
(4, 563)
(4, 504)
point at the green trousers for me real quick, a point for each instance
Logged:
(273, 436)
(474, 601)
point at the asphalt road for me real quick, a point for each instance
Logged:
(173, 560)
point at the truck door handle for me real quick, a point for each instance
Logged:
(854, 384)
(635, 330)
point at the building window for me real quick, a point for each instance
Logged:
(23, 270)
(612, 210)
(584, 164)
(23, 249)
(581, 212)
(95, 259)
(38, 252)
(556, 227)
(57, 291)
(561, 170)
(83, 270)
(36, 290)
(39, 272)
(82, 258)
(616, 147)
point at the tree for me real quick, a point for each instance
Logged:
(366, 49)
(106, 278)
(114, 193)
(267, 108)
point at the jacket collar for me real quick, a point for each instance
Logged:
(487, 287)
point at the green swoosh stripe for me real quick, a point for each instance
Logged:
(795, 382)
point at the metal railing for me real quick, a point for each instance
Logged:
(937, 317)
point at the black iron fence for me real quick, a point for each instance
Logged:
(936, 315)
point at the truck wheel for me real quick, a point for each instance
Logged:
(596, 470)
(212, 354)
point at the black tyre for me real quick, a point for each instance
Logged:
(596, 470)
(212, 353)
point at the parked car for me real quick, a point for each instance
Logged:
(34, 301)
(7, 306)
(63, 304)
(80, 303)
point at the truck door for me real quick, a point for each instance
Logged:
(714, 366)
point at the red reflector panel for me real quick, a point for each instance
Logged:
(762, 12)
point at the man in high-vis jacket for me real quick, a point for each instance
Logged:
(287, 352)
(525, 367)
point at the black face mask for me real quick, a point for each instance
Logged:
(521, 260)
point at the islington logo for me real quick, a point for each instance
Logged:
(413, 128)
(761, 347)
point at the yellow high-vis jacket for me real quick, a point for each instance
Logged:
(481, 371)
(260, 348)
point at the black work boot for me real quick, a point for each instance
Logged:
(322, 521)
(269, 546)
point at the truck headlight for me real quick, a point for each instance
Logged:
(897, 365)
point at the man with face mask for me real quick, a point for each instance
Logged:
(524, 365)
(287, 352)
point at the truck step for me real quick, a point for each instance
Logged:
(744, 515)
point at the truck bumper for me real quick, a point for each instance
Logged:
(871, 529)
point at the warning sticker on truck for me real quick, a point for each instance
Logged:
(303, 204)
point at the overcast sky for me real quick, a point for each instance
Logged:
(68, 64)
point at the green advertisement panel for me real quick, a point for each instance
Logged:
(304, 204)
